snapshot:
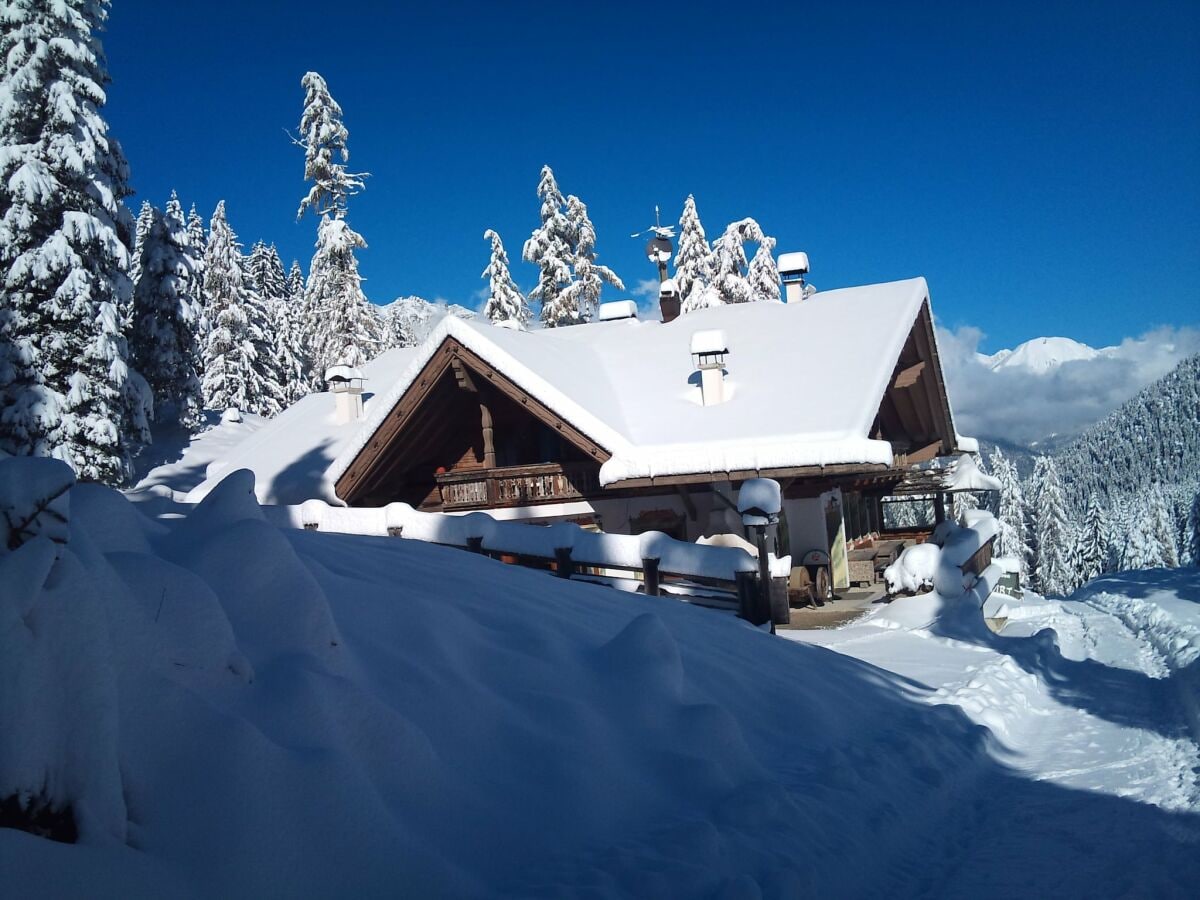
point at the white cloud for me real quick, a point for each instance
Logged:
(648, 288)
(1017, 405)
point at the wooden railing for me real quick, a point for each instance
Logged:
(516, 485)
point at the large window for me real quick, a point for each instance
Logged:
(908, 512)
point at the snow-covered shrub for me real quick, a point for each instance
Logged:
(913, 570)
(33, 500)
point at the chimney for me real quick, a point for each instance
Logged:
(792, 269)
(708, 353)
(346, 385)
(668, 300)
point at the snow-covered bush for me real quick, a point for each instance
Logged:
(33, 500)
(914, 569)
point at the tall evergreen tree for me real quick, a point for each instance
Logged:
(1142, 547)
(142, 226)
(729, 261)
(231, 378)
(764, 275)
(266, 311)
(505, 301)
(66, 389)
(1163, 528)
(551, 247)
(163, 344)
(1093, 550)
(1013, 540)
(1192, 556)
(341, 326)
(693, 273)
(588, 277)
(1055, 573)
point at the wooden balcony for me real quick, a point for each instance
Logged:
(517, 485)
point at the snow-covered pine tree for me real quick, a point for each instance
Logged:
(1093, 543)
(145, 219)
(505, 301)
(65, 386)
(583, 293)
(1141, 547)
(551, 247)
(323, 136)
(1192, 555)
(1013, 540)
(341, 326)
(230, 376)
(197, 246)
(268, 314)
(295, 282)
(729, 261)
(1164, 528)
(1055, 571)
(764, 273)
(693, 273)
(162, 341)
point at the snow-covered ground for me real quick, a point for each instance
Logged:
(238, 710)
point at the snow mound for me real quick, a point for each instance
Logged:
(33, 500)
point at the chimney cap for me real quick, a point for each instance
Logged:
(618, 309)
(795, 263)
(668, 286)
(340, 375)
(710, 341)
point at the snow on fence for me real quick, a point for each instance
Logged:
(724, 577)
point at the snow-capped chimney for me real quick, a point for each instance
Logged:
(792, 269)
(708, 353)
(617, 309)
(668, 300)
(346, 385)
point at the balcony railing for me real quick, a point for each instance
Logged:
(516, 485)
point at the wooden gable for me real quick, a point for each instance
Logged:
(914, 415)
(459, 414)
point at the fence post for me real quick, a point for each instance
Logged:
(781, 613)
(475, 544)
(650, 568)
(747, 591)
(565, 567)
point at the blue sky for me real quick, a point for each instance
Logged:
(1039, 164)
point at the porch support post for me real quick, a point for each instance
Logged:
(489, 443)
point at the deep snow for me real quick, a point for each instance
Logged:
(290, 713)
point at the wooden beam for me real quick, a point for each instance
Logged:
(687, 501)
(939, 404)
(489, 444)
(907, 377)
(915, 419)
(462, 376)
(743, 474)
(926, 453)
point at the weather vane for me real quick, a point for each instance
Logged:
(658, 248)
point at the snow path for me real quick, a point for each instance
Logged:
(1096, 694)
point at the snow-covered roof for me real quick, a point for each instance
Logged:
(802, 389)
(291, 453)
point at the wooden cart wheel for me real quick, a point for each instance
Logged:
(822, 585)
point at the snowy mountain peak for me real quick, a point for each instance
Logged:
(1041, 355)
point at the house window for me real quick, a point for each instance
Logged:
(908, 512)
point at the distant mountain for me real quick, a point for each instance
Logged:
(1154, 438)
(1041, 355)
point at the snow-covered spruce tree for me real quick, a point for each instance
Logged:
(551, 247)
(162, 341)
(277, 349)
(145, 219)
(341, 326)
(65, 386)
(692, 260)
(1012, 541)
(583, 293)
(1141, 548)
(505, 301)
(1164, 529)
(197, 246)
(231, 376)
(729, 263)
(764, 273)
(1055, 572)
(1191, 555)
(1093, 543)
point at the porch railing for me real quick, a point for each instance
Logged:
(516, 485)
